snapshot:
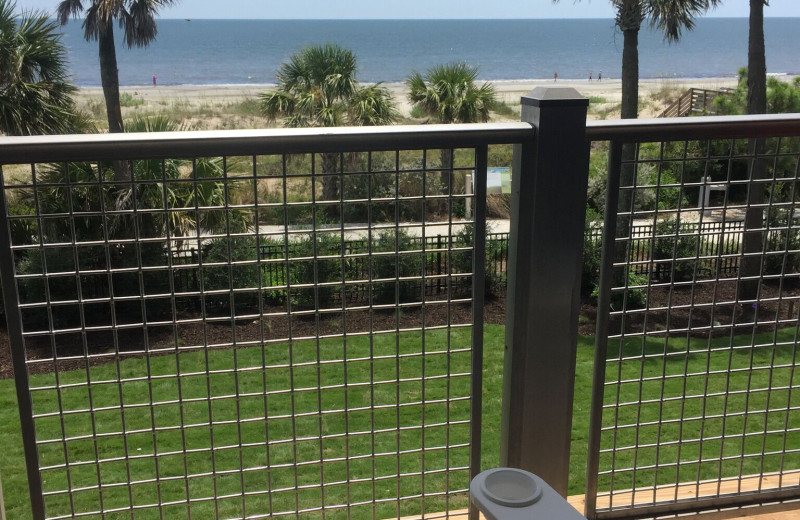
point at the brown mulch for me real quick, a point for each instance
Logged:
(250, 330)
(688, 305)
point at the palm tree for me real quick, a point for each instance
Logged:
(35, 94)
(753, 241)
(318, 87)
(135, 17)
(669, 16)
(449, 94)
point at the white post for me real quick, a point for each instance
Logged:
(470, 191)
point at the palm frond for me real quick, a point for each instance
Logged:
(372, 106)
(35, 94)
(672, 17)
(68, 9)
(276, 103)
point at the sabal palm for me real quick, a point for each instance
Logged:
(137, 20)
(202, 196)
(174, 184)
(318, 87)
(35, 94)
(449, 94)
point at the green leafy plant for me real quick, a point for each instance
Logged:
(309, 267)
(390, 260)
(633, 296)
(674, 243)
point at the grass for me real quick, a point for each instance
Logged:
(396, 428)
(127, 100)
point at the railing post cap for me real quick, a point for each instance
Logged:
(554, 97)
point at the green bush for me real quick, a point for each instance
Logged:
(592, 250)
(315, 270)
(779, 259)
(398, 265)
(633, 297)
(225, 277)
(670, 245)
(461, 261)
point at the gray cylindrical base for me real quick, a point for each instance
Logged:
(515, 494)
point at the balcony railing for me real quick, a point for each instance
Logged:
(266, 324)
(315, 379)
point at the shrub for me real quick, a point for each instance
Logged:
(315, 270)
(225, 277)
(592, 250)
(634, 296)
(399, 265)
(679, 248)
(462, 261)
(779, 259)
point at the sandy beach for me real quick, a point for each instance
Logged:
(214, 106)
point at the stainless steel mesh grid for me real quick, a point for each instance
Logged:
(201, 340)
(697, 327)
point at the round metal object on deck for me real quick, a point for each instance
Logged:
(511, 487)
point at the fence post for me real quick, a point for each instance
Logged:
(548, 209)
(2, 504)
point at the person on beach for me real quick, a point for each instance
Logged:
(555, 77)
(590, 76)
(154, 81)
(600, 75)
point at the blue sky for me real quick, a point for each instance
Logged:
(349, 9)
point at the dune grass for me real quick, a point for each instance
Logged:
(386, 417)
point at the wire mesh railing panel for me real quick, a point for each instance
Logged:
(247, 336)
(701, 393)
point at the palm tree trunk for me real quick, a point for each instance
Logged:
(630, 72)
(330, 183)
(446, 176)
(753, 239)
(629, 20)
(756, 61)
(109, 77)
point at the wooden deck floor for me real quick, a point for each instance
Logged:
(789, 510)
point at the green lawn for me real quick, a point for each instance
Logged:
(374, 463)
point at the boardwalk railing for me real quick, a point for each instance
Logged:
(693, 102)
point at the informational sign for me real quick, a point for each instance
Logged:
(498, 180)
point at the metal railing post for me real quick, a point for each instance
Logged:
(548, 210)
(2, 504)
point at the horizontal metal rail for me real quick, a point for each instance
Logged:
(22, 150)
(693, 128)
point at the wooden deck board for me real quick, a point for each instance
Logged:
(788, 510)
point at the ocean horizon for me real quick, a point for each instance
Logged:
(249, 52)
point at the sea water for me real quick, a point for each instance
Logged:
(250, 51)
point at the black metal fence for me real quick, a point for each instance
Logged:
(440, 253)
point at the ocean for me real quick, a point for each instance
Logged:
(250, 51)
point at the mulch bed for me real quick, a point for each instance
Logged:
(686, 306)
(250, 330)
